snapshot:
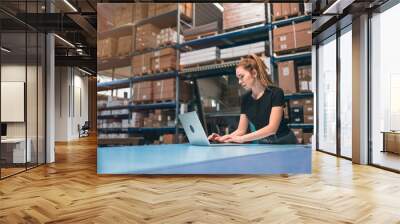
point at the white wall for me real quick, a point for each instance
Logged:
(71, 87)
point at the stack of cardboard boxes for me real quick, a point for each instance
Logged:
(159, 118)
(137, 120)
(106, 48)
(168, 36)
(123, 14)
(160, 90)
(163, 60)
(292, 82)
(164, 90)
(141, 64)
(161, 8)
(152, 62)
(284, 10)
(142, 92)
(287, 77)
(304, 75)
(146, 37)
(292, 37)
(128, 13)
(302, 111)
(124, 45)
(241, 14)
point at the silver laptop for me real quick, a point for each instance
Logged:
(195, 132)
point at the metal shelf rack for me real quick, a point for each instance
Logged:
(174, 18)
(150, 106)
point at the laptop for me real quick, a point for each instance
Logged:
(195, 132)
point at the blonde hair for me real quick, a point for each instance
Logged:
(255, 63)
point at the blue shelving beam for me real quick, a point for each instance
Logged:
(296, 96)
(125, 82)
(113, 116)
(289, 21)
(231, 39)
(303, 56)
(301, 126)
(163, 105)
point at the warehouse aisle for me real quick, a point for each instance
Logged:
(71, 191)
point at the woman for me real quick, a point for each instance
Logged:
(261, 108)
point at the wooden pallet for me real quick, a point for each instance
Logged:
(243, 26)
(167, 44)
(155, 71)
(293, 51)
(164, 101)
(276, 18)
(201, 35)
(141, 101)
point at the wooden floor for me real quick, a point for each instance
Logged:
(70, 191)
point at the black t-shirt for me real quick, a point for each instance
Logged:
(258, 111)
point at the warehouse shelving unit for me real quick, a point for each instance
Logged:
(262, 32)
(172, 18)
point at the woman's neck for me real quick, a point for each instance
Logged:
(257, 91)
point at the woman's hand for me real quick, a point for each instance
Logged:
(213, 137)
(235, 139)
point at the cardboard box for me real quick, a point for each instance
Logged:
(164, 60)
(165, 90)
(296, 114)
(308, 109)
(308, 119)
(141, 10)
(283, 38)
(303, 34)
(294, 9)
(124, 45)
(308, 101)
(240, 14)
(287, 77)
(296, 103)
(123, 14)
(277, 10)
(285, 9)
(107, 48)
(292, 36)
(146, 37)
(142, 92)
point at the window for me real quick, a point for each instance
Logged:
(346, 92)
(327, 95)
(385, 84)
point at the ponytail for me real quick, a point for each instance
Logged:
(255, 63)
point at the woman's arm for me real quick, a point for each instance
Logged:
(270, 129)
(241, 129)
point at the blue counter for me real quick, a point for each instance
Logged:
(188, 159)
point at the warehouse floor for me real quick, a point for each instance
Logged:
(71, 191)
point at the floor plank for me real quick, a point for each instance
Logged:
(70, 191)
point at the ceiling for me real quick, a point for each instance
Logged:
(73, 20)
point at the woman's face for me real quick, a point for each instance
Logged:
(246, 78)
